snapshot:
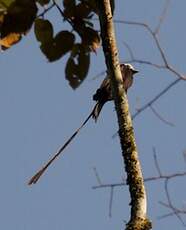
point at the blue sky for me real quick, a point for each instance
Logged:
(39, 111)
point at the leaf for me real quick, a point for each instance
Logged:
(69, 3)
(1, 19)
(91, 38)
(4, 4)
(69, 8)
(82, 10)
(92, 4)
(84, 62)
(64, 40)
(43, 2)
(48, 50)
(17, 20)
(43, 30)
(10, 40)
(70, 73)
(19, 17)
(77, 66)
(59, 46)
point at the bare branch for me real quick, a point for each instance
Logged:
(148, 104)
(160, 117)
(148, 179)
(156, 162)
(154, 36)
(175, 211)
(111, 200)
(162, 16)
(46, 10)
(98, 75)
(97, 176)
(161, 176)
(62, 14)
(129, 50)
(179, 211)
(138, 202)
(159, 66)
(184, 156)
(152, 101)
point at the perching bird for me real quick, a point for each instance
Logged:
(104, 93)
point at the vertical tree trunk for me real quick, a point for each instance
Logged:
(138, 218)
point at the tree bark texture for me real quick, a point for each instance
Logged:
(138, 217)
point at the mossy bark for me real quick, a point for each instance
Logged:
(138, 218)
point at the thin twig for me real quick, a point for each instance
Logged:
(45, 11)
(98, 75)
(184, 156)
(156, 162)
(111, 200)
(129, 50)
(180, 211)
(97, 176)
(62, 14)
(160, 117)
(155, 38)
(162, 16)
(170, 202)
(148, 179)
(159, 66)
(148, 104)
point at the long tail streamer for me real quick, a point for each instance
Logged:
(36, 177)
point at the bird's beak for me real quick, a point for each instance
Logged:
(135, 71)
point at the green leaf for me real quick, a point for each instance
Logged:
(77, 66)
(59, 46)
(43, 30)
(4, 4)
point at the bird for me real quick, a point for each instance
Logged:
(104, 92)
(102, 95)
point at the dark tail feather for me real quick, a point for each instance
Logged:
(94, 114)
(97, 109)
(36, 177)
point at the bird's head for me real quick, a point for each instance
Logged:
(128, 68)
(128, 72)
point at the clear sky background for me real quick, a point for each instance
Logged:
(39, 111)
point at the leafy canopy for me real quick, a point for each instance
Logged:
(18, 16)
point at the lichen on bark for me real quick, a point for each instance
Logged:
(138, 217)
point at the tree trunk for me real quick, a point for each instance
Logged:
(138, 218)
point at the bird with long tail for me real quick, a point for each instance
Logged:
(102, 95)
